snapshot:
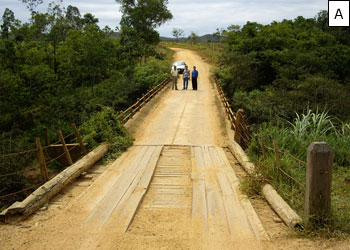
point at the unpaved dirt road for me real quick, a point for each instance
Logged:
(184, 117)
(177, 188)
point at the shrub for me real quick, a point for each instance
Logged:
(104, 127)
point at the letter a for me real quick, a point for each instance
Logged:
(336, 14)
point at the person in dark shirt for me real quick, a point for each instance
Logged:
(194, 78)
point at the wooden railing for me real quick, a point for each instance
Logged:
(127, 114)
(237, 120)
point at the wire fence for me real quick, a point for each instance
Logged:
(21, 191)
(40, 157)
(277, 160)
(18, 153)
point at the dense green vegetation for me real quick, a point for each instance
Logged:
(285, 67)
(294, 138)
(292, 78)
(62, 68)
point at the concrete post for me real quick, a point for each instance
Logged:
(318, 181)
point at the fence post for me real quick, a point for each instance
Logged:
(317, 205)
(122, 117)
(41, 159)
(238, 131)
(263, 147)
(278, 162)
(76, 132)
(46, 135)
(65, 149)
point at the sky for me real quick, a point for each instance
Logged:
(199, 16)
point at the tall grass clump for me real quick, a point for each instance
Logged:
(294, 138)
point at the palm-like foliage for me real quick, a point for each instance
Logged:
(316, 123)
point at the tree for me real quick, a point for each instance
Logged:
(178, 33)
(233, 28)
(143, 16)
(89, 19)
(8, 23)
(219, 33)
(32, 4)
(193, 37)
(73, 17)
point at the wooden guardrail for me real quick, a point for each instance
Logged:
(127, 114)
(237, 120)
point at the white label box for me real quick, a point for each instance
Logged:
(338, 13)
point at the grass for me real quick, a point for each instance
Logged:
(294, 137)
(209, 51)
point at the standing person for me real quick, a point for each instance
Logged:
(174, 76)
(186, 77)
(194, 78)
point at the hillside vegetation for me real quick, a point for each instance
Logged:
(62, 68)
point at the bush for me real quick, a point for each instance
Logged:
(104, 127)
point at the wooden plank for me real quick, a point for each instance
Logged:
(198, 166)
(130, 209)
(133, 202)
(147, 176)
(214, 197)
(127, 190)
(111, 200)
(118, 163)
(236, 218)
(255, 223)
(199, 203)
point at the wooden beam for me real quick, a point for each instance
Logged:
(284, 211)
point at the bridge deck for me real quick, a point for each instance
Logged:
(190, 191)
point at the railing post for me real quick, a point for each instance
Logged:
(318, 182)
(65, 149)
(277, 157)
(41, 160)
(46, 136)
(263, 147)
(76, 132)
(238, 131)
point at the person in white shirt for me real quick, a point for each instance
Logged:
(174, 75)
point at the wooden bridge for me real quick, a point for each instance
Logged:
(176, 188)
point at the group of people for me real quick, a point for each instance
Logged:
(186, 77)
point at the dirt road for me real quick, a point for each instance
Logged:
(177, 188)
(184, 117)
